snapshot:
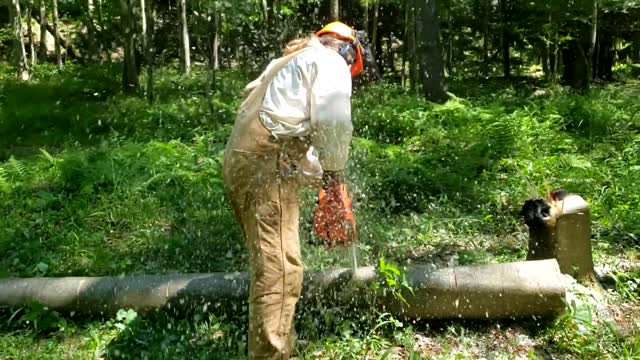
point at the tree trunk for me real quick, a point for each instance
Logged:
(42, 51)
(147, 43)
(130, 79)
(494, 291)
(449, 56)
(546, 59)
(214, 61)
(405, 47)
(32, 47)
(375, 41)
(486, 13)
(366, 16)
(413, 51)
(506, 39)
(594, 30)
(575, 56)
(91, 30)
(20, 54)
(56, 34)
(429, 50)
(185, 51)
(334, 10)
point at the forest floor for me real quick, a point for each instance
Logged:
(94, 182)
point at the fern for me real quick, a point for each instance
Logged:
(48, 156)
(4, 181)
(15, 169)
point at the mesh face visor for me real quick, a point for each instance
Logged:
(348, 34)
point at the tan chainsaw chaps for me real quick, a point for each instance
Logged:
(262, 175)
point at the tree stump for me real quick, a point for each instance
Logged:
(568, 240)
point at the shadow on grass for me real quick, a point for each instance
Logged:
(84, 105)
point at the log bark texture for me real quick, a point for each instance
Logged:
(509, 290)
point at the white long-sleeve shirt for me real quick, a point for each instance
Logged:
(311, 96)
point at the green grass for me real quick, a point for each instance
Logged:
(93, 182)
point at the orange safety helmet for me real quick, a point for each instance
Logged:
(352, 51)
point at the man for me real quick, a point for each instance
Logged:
(292, 129)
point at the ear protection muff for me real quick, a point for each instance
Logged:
(352, 54)
(348, 52)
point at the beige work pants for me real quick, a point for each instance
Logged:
(266, 205)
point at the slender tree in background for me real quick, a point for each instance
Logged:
(130, 79)
(42, 52)
(214, 41)
(20, 54)
(334, 10)
(429, 51)
(32, 48)
(56, 35)
(89, 10)
(147, 15)
(506, 38)
(185, 53)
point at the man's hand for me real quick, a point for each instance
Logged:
(334, 221)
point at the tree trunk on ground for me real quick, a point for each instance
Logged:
(185, 51)
(429, 51)
(32, 47)
(506, 39)
(130, 79)
(147, 16)
(56, 34)
(495, 291)
(42, 52)
(334, 10)
(19, 52)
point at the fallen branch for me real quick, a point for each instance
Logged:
(518, 289)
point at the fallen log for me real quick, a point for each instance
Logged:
(509, 290)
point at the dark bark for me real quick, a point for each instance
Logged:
(376, 47)
(605, 57)
(42, 51)
(486, 12)
(413, 51)
(506, 38)
(130, 81)
(576, 55)
(429, 51)
(576, 66)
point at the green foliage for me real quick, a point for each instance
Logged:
(107, 184)
(395, 280)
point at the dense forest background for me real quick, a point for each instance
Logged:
(114, 115)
